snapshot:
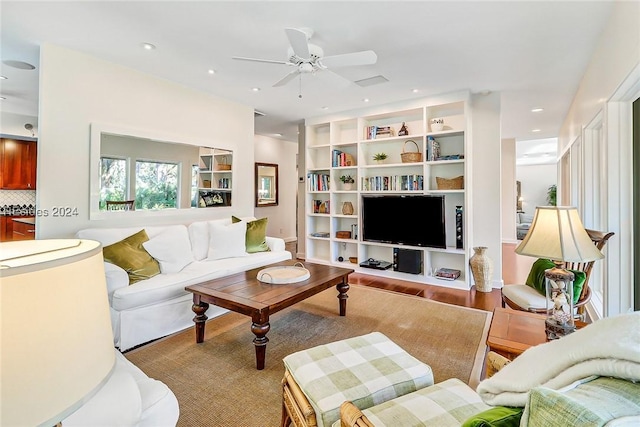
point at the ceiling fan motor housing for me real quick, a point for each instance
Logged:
(315, 53)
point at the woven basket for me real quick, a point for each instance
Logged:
(411, 157)
(223, 166)
(456, 183)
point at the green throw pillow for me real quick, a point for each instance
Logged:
(129, 255)
(536, 275)
(499, 416)
(256, 238)
(536, 278)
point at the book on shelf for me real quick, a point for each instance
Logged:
(373, 132)
(340, 158)
(447, 273)
(318, 181)
(321, 206)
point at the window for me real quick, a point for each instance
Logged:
(113, 180)
(156, 185)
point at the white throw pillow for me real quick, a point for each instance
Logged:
(227, 241)
(171, 248)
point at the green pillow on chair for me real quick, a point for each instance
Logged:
(499, 416)
(536, 278)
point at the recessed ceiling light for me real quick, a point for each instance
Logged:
(3, 77)
(324, 107)
(255, 89)
(211, 71)
(537, 110)
(277, 134)
(365, 100)
(535, 130)
(2, 98)
(525, 155)
(415, 90)
(148, 46)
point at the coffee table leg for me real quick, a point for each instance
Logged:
(199, 308)
(342, 296)
(260, 341)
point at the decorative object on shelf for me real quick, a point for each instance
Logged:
(411, 157)
(379, 157)
(223, 165)
(354, 230)
(343, 234)
(447, 273)
(459, 228)
(437, 125)
(481, 269)
(456, 183)
(206, 183)
(403, 130)
(433, 149)
(347, 208)
(557, 233)
(347, 182)
(353, 259)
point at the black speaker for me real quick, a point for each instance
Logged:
(407, 260)
(459, 234)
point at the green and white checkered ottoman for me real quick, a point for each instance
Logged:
(365, 370)
(448, 403)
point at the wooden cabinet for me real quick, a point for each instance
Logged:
(23, 231)
(18, 163)
(340, 145)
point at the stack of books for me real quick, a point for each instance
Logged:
(373, 132)
(447, 273)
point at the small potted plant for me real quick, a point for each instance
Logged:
(347, 182)
(379, 157)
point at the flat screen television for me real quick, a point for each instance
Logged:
(404, 220)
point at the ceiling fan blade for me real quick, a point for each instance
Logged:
(270, 61)
(286, 79)
(366, 57)
(298, 41)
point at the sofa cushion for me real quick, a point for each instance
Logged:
(130, 255)
(165, 287)
(171, 248)
(594, 403)
(227, 241)
(256, 238)
(199, 235)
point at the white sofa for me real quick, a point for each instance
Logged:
(160, 306)
(128, 398)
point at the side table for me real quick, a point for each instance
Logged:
(512, 331)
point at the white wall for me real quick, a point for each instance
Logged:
(13, 124)
(613, 69)
(77, 90)
(535, 180)
(486, 161)
(509, 196)
(282, 218)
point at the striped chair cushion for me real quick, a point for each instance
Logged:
(448, 403)
(595, 403)
(366, 370)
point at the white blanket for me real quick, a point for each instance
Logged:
(609, 347)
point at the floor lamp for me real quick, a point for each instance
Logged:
(57, 343)
(557, 233)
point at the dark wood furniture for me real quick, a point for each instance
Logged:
(245, 294)
(512, 331)
(124, 205)
(599, 239)
(18, 164)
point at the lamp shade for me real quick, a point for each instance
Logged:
(557, 233)
(57, 342)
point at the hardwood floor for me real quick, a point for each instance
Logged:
(515, 269)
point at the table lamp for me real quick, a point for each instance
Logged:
(557, 233)
(56, 338)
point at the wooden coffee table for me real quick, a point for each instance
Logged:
(512, 331)
(245, 294)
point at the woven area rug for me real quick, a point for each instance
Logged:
(216, 382)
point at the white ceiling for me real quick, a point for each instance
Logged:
(534, 53)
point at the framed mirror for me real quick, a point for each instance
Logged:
(266, 184)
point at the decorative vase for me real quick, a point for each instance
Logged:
(347, 208)
(481, 268)
(347, 186)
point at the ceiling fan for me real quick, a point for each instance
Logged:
(309, 58)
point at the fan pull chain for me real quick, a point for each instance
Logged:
(300, 87)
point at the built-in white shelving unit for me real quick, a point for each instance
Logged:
(344, 145)
(214, 177)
